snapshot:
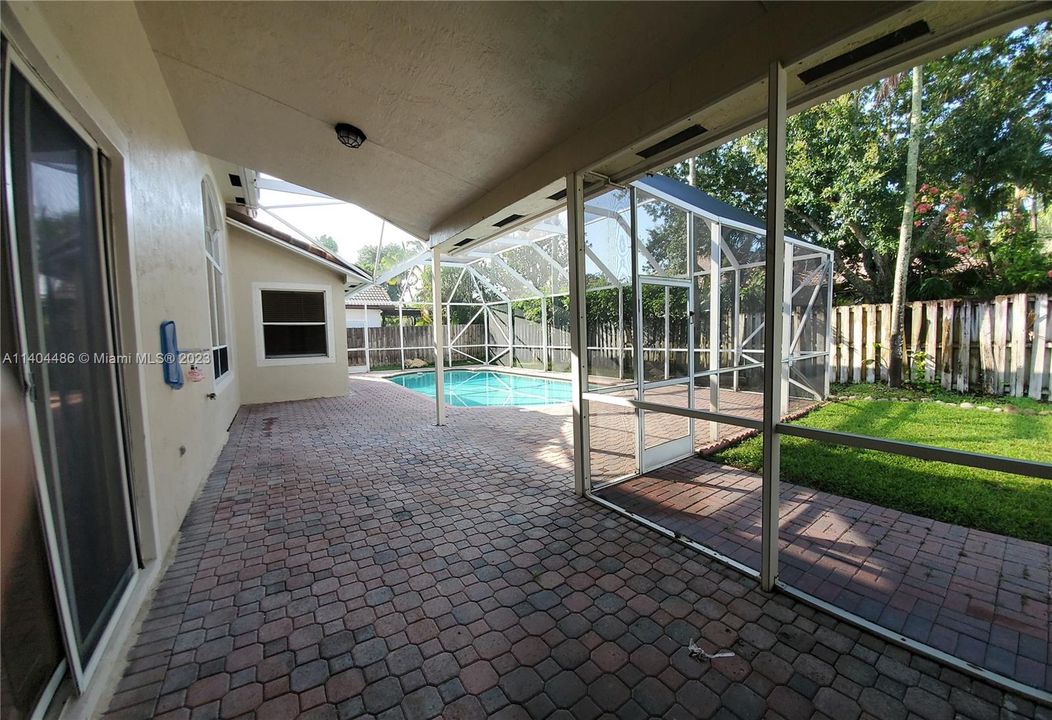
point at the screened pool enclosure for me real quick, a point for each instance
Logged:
(690, 297)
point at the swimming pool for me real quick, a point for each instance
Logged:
(487, 388)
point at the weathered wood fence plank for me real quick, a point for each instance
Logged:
(964, 349)
(856, 343)
(987, 357)
(1038, 358)
(946, 343)
(1001, 346)
(931, 342)
(1019, 308)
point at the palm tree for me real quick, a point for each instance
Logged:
(902, 259)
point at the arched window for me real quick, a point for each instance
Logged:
(216, 286)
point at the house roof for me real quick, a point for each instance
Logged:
(354, 273)
(371, 295)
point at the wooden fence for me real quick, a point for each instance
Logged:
(469, 342)
(998, 347)
(385, 344)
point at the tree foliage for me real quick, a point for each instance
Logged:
(985, 161)
(391, 254)
(328, 242)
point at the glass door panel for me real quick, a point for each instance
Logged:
(66, 317)
(31, 649)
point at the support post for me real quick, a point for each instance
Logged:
(485, 329)
(511, 336)
(401, 335)
(620, 332)
(449, 334)
(787, 329)
(578, 334)
(637, 328)
(715, 261)
(438, 332)
(774, 301)
(692, 335)
(365, 336)
(736, 324)
(544, 334)
(829, 326)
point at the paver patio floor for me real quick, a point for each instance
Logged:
(976, 595)
(348, 559)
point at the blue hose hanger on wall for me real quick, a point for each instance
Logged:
(173, 372)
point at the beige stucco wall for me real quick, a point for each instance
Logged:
(106, 74)
(253, 261)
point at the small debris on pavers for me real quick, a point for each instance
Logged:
(699, 653)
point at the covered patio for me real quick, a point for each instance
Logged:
(190, 545)
(461, 577)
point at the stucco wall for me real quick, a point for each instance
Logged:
(254, 260)
(104, 65)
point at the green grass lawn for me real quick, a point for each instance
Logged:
(998, 502)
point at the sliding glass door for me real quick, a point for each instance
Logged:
(59, 261)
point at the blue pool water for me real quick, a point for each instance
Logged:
(486, 388)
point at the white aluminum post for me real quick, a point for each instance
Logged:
(368, 365)
(438, 333)
(637, 333)
(829, 325)
(736, 324)
(774, 302)
(787, 328)
(511, 337)
(544, 334)
(715, 261)
(620, 332)
(485, 330)
(578, 334)
(668, 345)
(449, 334)
(692, 258)
(401, 334)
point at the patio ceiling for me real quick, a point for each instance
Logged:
(453, 97)
(477, 110)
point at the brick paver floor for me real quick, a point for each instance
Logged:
(348, 559)
(979, 596)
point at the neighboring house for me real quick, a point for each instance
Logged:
(366, 307)
(369, 306)
(286, 296)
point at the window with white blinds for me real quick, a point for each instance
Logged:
(295, 323)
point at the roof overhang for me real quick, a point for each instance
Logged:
(476, 112)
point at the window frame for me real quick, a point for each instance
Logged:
(258, 288)
(215, 278)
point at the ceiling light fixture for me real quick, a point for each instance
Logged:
(349, 135)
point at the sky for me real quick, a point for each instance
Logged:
(350, 226)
